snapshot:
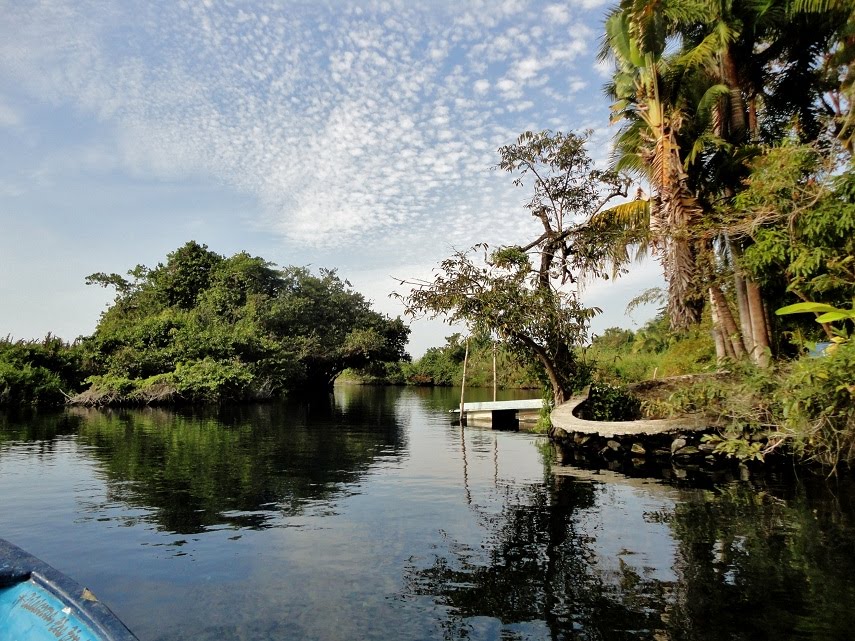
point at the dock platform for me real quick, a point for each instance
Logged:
(500, 414)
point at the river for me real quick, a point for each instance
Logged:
(368, 515)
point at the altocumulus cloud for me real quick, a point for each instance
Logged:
(347, 121)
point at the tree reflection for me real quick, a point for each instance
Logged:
(765, 563)
(244, 466)
(538, 567)
(749, 564)
(32, 425)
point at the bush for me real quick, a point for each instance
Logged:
(608, 402)
(38, 372)
(652, 352)
(693, 353)
(29, 385)
(818, 401)
(208, 380)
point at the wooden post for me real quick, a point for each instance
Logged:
(494, 371)
(463, 384)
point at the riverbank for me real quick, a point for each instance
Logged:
(636, 444)
(800, 411)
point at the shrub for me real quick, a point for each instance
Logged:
(208, 380)
(818, 401)
(608, 402)
(29, 385)
(38, 372)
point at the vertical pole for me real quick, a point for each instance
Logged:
(494, 372)
(463, 383)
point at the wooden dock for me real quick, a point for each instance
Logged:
(500, 414)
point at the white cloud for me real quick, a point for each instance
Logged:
(481, 86)
(525, 69)
(521, 106)
(558, 13)
(9, 117)
(510, 88)
(335, 117)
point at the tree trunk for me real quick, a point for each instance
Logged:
(759, 328)
(742, 298)
(560, 392)
(736, 120)
(744, 313)
(463, 383)
(673, 218)
(727, 322)
(718, 334)
(681, 272)
(753, 127)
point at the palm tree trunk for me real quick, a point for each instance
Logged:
(743, 312)
(753, 126)
(736, 120)
(759, 326)
(741, 297)
(727, 322)
(718, 335)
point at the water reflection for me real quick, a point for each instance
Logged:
(368, 515)
(538, 575)
(243, 467)
(765, 561)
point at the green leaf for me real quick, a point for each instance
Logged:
(831, 317)
(800, 308)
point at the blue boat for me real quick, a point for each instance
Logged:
(38, 603)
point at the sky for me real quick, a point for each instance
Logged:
(356, 135)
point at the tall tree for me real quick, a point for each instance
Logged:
(649, 143)
(521, 293)
(727, 76)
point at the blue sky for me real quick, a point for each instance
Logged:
(358, 135)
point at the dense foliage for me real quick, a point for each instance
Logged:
(608, 402)
(624, 356)
(704, 91)
(207, 328)
(38, 372)
(817, 399)
(800, 216)
(737, 117)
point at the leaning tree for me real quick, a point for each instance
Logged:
(523, 293)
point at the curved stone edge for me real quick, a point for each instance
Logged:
(564, 419)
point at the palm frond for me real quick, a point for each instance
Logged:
(647, 297)
(701, 55)
(705, 142)
(711, 98)
(632, 164)
(632, 215)
(818, 6)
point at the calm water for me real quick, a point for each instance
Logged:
(369, 516)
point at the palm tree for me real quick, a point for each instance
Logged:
(736, 74)
(649, 144)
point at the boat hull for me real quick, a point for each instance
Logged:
(38, 603)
